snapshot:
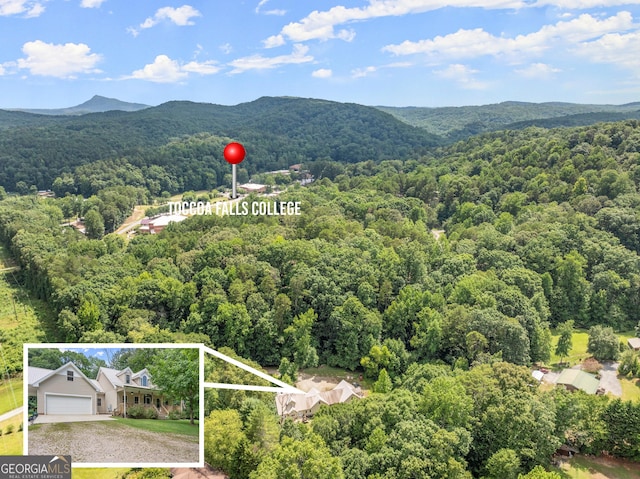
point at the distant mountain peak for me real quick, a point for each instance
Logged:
(97, 104)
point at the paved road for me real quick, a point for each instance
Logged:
(10, 414)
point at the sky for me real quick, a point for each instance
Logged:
(59, 53)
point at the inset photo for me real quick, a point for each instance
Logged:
(115, 405)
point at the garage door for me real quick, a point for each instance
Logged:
(68, 405)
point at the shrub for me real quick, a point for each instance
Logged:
(176, 415)
(10, 429)
(141, 412)
(147, 473)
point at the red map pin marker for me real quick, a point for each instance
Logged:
(234, 153)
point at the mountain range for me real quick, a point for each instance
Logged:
(97, 104)
(449, 123)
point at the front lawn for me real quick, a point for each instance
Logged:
(11, 444)
(95, 473)
(10, 394)
(169, 426)
(578, 351)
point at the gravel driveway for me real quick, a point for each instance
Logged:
(112, 442)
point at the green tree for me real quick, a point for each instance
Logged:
(383, 384)
(298, 334)
(538, 472)
(503, 464)
(603, 343)
(177, 373)
(305, 459)
(565, 340)
(223, 434)
(94, 224)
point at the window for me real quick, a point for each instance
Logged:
(127, 379)
(135, 400)
(144, 380)
(99, 402)
(69, 375)
(147, 399)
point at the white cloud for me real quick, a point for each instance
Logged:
(165, 70)
(273, 41)
(29, 8)
(61, 61)
(1, 70)
(477, 42)
(181, 16)
(538, 70)
(363, 72)
(226, 48)
(462, 75)
(204, 68)
(259, 62)
(322, 73)
(583, 4)
(91, 3)
(320, 25)
(262, 3)
(162, 70)
(614, 48)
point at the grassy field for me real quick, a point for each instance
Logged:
(10, 394)
(163, 426)
(95, 473)
(630, 389)
(578, 351)
(581, 467)
(11, 444)
(23, 319)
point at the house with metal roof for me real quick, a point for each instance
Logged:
(574, 379)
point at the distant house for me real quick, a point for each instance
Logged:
(302, 406)
(634, 343)
(253, 187)
(157, 224)
(574, 379)
(537, 375)
(295, 168)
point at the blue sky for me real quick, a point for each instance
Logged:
(57, 53)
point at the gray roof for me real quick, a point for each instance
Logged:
(634, 343)
(114, 377)
(36, 375)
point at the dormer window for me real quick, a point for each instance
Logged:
(144, 380)
(69, 375)
(127, 379)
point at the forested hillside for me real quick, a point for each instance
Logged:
(156, 143)
(458, 123)
(540, 227)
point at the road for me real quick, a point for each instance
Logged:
(10, 414)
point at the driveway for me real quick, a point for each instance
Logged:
(111, 442)
(54, 418)
(609, 378)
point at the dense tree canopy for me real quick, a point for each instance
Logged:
(438, 277)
